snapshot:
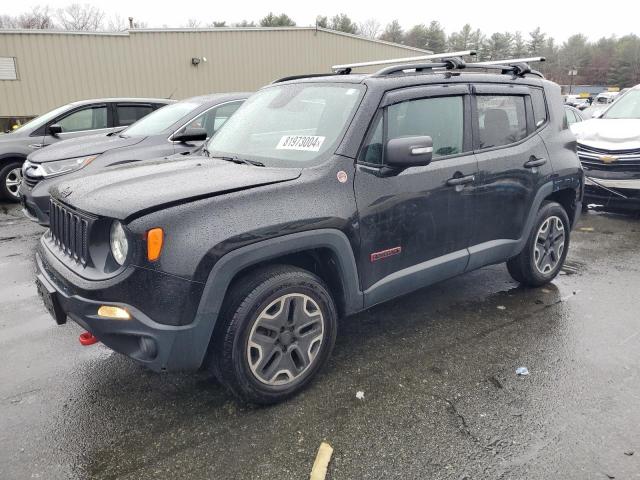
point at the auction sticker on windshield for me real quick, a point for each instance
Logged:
(309, 143)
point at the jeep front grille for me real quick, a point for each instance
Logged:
(70, 231)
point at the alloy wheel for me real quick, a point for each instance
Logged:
(13, 180)
(285, 339)
(549, 245)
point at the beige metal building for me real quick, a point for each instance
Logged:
(40, 70)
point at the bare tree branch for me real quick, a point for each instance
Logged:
(79, 17)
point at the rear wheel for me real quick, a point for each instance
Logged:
(546, 249)
(10, 181)
(279, 329)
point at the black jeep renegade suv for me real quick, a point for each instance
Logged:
(322, 197)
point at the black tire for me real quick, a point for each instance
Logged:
(248, 299)
(6, 169)
(523, 267)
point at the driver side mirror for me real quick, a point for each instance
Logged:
(191, 135)
(409, 152)
(55, 129)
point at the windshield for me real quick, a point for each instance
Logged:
(157, 122)
(288, 125)
(44, 118)
(627, 106)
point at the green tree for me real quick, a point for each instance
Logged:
(436, 38)
(499, 46)
(342, 23)
(272, 20)
(393, 33)
(417, 36)
(626, 72)
(322, 21)
(519, 46)
(245, 23)
(536, 42)
(461, 40)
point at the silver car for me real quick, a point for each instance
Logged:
(75, 119)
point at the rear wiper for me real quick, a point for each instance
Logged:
(241, 160)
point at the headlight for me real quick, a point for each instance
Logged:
(119, 244)
(60, 167)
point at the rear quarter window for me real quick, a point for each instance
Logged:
(539, 107)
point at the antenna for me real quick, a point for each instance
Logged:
(348, 66)
(512, 61)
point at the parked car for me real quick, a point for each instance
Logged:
(580, 102)
(609, 149)
(321, 197)
(77, 119)
(600, 104)
(573, 115)
(178, 128)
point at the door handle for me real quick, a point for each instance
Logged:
(535, 162)
(36, 145)
(456, 181)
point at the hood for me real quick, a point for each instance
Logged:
(82, 146)
(142, 188)
(609, 134)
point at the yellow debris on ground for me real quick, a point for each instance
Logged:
(319, 470)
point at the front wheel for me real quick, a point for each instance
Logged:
(279, 330)
(10, 181)
(546, 249)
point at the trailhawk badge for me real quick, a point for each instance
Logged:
(65, 192)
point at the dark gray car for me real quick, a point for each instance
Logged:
(77, 119)
(177, 128)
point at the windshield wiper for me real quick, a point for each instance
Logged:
(241, 160)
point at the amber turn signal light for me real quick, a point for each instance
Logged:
(117, 313)
(155, 237)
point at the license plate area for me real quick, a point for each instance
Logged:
(51, 302)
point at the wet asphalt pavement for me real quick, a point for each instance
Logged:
(437, 368)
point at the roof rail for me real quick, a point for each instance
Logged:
(512, 61)
(517, 66)
(447, 64)
(308, 75)
(347, 67)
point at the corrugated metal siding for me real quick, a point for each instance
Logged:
(57, 68)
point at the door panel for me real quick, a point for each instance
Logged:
(414, 226)
(512, 164)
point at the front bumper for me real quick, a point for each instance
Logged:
(623, 194)
(35, 203)
(156, 345)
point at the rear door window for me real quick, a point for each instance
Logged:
(131, 113)
(501, 120)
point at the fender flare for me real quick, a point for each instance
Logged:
(192, 343)
(12, 156)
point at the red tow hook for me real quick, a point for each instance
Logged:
(87, 339)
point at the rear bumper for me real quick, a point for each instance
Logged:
(156, 345)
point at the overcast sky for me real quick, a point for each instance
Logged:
(560, 19)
